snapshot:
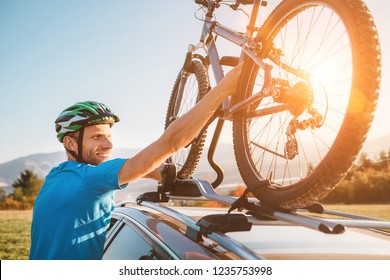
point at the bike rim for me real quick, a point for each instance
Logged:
(320, 45)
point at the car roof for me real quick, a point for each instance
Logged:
(267, 232)
(280, 240)
(274, 239)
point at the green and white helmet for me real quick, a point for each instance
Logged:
(83, 114)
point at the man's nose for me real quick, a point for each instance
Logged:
(107, 143)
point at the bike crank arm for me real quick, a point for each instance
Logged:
(245, 103)
(255, 113)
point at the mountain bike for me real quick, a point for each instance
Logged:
(305, 100)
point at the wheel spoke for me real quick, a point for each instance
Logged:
(314, 38)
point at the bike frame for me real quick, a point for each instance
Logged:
(211, 29)
(303, 91)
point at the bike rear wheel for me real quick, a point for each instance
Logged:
(304, 136)
(191, 85)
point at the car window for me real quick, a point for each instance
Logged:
(129, 245)
(113, 223)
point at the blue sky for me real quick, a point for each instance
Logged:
(123, 53)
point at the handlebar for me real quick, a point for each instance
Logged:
(205, 3)
(245, 2)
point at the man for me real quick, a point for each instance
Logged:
(73, 208)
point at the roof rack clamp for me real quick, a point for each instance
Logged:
(158, 196)
(223, 223)
(254, 209)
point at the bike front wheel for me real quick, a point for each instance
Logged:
(307, 130)
(191, 85)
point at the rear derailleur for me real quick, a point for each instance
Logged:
(299, 99)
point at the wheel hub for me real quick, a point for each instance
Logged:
(299, 97)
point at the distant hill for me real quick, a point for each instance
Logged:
(41, 164)
(373, 147)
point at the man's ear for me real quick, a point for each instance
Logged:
(70, 143)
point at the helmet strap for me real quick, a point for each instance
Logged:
(72, 153)
(79, 155)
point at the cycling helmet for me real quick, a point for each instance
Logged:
(80, 115)
(83, 114)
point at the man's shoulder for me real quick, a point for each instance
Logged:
(75, 166)
(65, 166)
(68, 164)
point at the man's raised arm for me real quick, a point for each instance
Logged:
(181, 132)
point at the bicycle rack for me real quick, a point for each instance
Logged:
(208, 192)
(214, 226)
(191, 189)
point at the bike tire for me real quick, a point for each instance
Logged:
(196, 85)
(322, 155)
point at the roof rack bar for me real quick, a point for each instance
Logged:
(349, 215)
(234, 246)
(354, 220)
(310, 222)
(225, 241)
(318, 208)
(165, 210)
(377, 224)
(171, 213)
(317, 223)
(314, 223)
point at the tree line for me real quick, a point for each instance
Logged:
(25, 191)
(367, 182)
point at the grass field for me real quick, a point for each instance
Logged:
(15, 227)
(15, 234)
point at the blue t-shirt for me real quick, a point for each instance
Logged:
(73, 210)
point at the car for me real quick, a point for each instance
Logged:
(152, 227)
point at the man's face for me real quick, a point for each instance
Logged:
(97, 145)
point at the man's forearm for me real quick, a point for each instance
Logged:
(186, 128)
(181, 132)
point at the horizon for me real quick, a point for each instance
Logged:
(58, 53)
(42, 167)
(115, 149)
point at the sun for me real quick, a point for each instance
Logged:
(322, 73)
